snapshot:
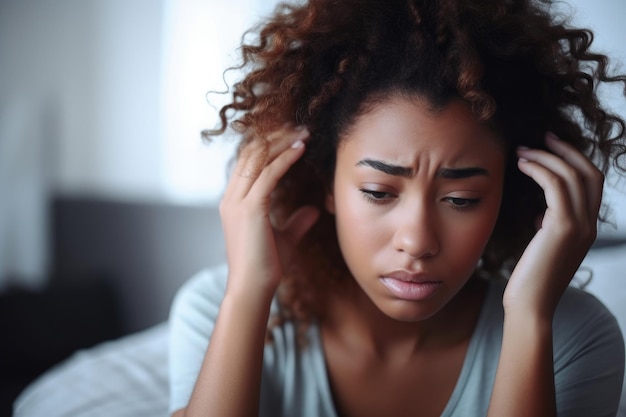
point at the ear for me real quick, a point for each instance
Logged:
(330, 202)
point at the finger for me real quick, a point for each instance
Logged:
(299, 223)
(565, 174)
(592, 177)
(271, 174)
(256, 155)
(290, 235)
(557, 197)
(249, 163)
(284, 137)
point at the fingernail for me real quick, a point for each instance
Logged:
(523, 160)
(297, 144)
(302, 133)
(300, 128)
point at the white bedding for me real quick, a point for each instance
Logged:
(128, 377)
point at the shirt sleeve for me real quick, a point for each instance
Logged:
(192, 318)
(588, 357)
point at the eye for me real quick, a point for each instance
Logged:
(376, 197)
(462, 203)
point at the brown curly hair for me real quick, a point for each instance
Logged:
(325, 62)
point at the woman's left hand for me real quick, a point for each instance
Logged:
(573, 193)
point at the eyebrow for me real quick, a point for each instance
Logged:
(401, 171)
(458, 173)
(390, 169)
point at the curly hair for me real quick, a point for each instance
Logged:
(325, 62)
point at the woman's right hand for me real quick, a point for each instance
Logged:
(256, 251)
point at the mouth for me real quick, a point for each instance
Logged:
(411, 286)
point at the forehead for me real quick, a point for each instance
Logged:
(406, 131)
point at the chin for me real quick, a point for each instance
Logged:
(409, 311)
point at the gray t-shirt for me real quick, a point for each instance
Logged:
(588, 356)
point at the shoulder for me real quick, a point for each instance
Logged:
(582, 326)
(580, 316)
(588, 356)
(201, 295)
(206, 282)
(192, 317)
(588, 351)
(578, 311)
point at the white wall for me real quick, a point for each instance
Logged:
(108, 97)
(79, 106)
(200, 41)
(605, 17)
(96, 66)
(124, 84)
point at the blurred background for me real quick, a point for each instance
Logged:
(107, 194)
(108, 197)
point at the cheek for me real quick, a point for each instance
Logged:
(470, 240)
(359, 231)
(354, 224)
(469, 237)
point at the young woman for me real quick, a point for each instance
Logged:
(413, 193)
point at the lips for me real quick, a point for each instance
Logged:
(406, 276)
(411, 286)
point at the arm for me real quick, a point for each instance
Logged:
(524, 384)
(230, 376)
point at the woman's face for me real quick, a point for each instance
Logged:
(416, 196)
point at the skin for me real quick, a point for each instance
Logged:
(425, 221)
(407, 344)
(432, 217)
(572, 185)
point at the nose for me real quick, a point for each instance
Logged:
(416, 233)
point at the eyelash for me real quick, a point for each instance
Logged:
(375, 197)
(457, 203)
(466, 203)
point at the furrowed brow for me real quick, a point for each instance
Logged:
(389, 169)
(459, 173)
